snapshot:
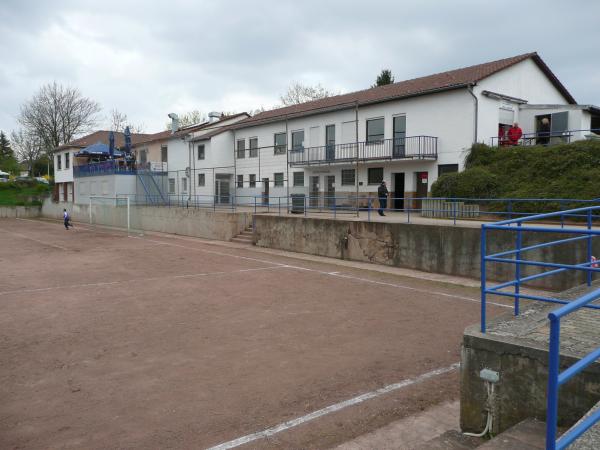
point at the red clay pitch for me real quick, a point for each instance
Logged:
(110, 341)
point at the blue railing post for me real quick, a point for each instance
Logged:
(589, 247)
(552, 394)
(255, 204)
(509, 209)
(483, 274)
(518, 268)
(453, 211)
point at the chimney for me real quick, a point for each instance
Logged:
(213, 116)
(174, 122)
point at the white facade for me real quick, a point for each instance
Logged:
(63, 175)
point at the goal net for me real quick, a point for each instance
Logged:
(110, 212)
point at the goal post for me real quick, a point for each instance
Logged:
(110, 211)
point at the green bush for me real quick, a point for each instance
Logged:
(476, 182)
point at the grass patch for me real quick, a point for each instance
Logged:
(23, 193)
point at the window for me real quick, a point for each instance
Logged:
(201, 179)
(280, 143)
(375, 175)
(171, 185)
(253, 147)
(252, 180)
(278, 179)
(143, 156)
(297, 141)
(447, 168)
(184, 184)
(348, 178)
(164, 153)
(240, 181)
(241, 148)
(201, 154)
(374, 131)
(299, 179)
(67, 161)
(59, 162)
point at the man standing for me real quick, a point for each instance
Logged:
(382, 193)
(514, 134)
(66, 218)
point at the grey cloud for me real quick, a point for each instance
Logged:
(147, 58)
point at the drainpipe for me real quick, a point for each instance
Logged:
(470, 89)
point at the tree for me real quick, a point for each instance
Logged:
(119, 121)
(5, 150)
(300, 93)
(385, 77)
(27, 148)
(56, 114)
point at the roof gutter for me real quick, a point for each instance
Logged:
(476, 112)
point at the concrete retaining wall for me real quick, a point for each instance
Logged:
(200, 223)
(20, 211)
(451, 250)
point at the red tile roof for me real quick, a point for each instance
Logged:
(102, 136)
(443, 81)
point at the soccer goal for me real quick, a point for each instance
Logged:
(110, 211)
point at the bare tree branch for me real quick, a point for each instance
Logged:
(300, 93)
(56, 114)
(26, 147)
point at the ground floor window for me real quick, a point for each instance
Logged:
(171, 185)
(299, 179)
(201, 179)
(252, 180)
(447, 168)
(278, 179)
(184, 184)
(348, 177)
(240, 181)
(375, 175)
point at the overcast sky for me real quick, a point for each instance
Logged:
(149, 58)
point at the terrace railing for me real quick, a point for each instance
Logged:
(547, 137)
(411, 147)
(110, 167)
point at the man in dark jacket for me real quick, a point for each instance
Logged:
(382, 193)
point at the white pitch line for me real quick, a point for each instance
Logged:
(35, 240)
(332, 408)
(135, 280)
(394, 285)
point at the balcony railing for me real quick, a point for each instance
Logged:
(412, 147)
(547, 138)
(110, 167)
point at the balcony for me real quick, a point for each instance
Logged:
(412, 147)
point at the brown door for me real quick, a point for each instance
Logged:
(422, 187)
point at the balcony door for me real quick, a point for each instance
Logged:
(330, 142)
(399, 148)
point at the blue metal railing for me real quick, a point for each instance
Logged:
(556, 378)
(582, 232)
(109, 167)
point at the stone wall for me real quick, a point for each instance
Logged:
(202, 223)
(445, 249)
(19, 211)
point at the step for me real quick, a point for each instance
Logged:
(451, 440)
(529, 434)
(247, 233)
